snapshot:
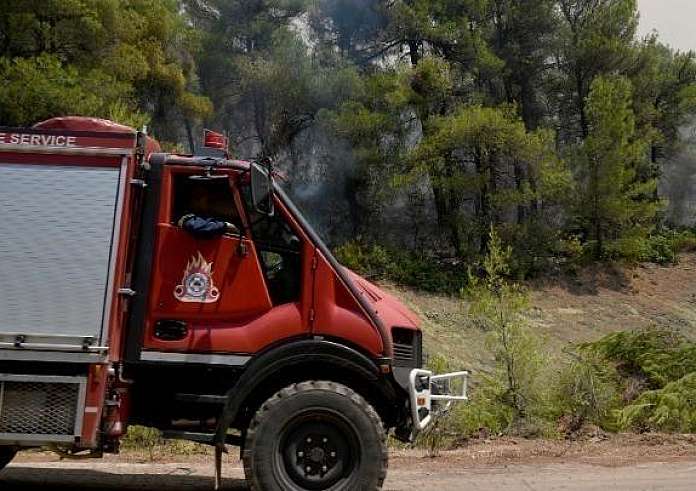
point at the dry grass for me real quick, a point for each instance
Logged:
(600, 300)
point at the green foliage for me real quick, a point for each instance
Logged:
(664, 247)
(587, 391)
(142, 438)
(672, 408)
(497, 306)
(403, 267)
(615, 206)
(487, 412)
(598, 40)
(662, 356)
(465, 153)
(665, 96)
(129, 60)
(39, 88)
(599, 383)
(371, 261)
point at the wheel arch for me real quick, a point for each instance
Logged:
(303, 360)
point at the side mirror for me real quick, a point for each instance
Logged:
(262, 187)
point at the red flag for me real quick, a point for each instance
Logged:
(212, 139)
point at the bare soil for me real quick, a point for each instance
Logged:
(622, 462)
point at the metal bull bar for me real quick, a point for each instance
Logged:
(425, 389)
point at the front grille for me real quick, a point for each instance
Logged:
(407, 347)
(41, 408)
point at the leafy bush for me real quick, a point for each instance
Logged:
(660, 355)
(666, 360)
(372, 261)
(587, 392)
(672, 408)
(664, 248)
(485, 413)
(142, 438)
(516, 392)
(403, 267)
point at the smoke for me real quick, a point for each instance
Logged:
(678, 183)
(318, 166)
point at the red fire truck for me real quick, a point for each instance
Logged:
(112, 313)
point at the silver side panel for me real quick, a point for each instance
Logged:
(56, 237)
(203, 359)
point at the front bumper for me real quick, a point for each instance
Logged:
(431, 395)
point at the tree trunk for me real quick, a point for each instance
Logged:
(582, 111)
(447, 209)
(189, 136)
(414, 52)
(519, 182)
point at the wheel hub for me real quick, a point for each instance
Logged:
(317, 454)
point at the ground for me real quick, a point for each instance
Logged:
(620, 463)
(569, 309)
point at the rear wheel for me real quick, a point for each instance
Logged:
(315, 436)
(6, 456)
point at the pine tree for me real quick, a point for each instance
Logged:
(126, 60)
(615, 207)
(597, 38)
(476, 150)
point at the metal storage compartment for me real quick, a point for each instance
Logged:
(41, 409)
(57, 229)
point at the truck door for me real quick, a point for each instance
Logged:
(205, 288)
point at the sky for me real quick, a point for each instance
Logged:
(675, 20)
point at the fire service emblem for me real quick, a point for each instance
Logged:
(197, 284)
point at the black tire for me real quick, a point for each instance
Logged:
(315, 435)
(6, 456)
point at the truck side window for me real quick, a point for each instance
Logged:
(279, 250)
(206, 198)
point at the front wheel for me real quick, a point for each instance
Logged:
(6, 456)
(315, 436)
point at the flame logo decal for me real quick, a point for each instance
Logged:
(197, 283)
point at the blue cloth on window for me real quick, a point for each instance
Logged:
(203, 228)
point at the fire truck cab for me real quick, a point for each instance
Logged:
(189, 294)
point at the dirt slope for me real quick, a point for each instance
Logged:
(565, 310)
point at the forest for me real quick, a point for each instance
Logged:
(406, 129)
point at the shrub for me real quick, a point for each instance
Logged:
(142, 438)
(372, 261)
(518, 384)
(403, 267)
(666, 360)
(672, 408)
(664, 248)
(486, 412)
(587, 391)
(659, 355)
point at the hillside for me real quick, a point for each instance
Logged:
(569, 310)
